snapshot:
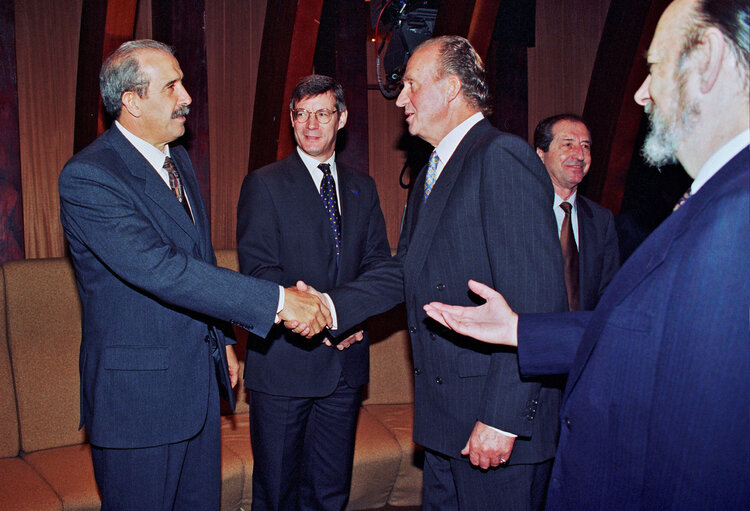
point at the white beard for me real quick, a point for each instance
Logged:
(666, 134)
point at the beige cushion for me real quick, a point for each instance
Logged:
(9, 441)
(44, 335)
(377, 458)
(400, 420)
(235, 438)
(391, 366)
(232, 479)
(69, 471)
(22, 489)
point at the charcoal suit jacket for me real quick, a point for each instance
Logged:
(284, 235)
(487, 218)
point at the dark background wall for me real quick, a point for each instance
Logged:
(241, 57)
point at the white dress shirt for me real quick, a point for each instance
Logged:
(719, 159)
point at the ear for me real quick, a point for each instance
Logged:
(343, 116)
(452, 87)
(131, 102)
(710, 55)
(540, 153)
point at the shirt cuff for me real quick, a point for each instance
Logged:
(280, 306)
(332, 308)
(502, 432)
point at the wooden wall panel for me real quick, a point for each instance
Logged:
(387, 127)
(234, 32)
(341, 52)
(47, 34)
(567, 39)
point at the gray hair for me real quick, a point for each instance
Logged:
(458, 57)
(122, 72)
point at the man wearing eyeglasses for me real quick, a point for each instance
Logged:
(308, 217)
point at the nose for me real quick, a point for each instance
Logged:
(185, 98)
(402, 98)
(579, 152)
(312, 121)
(642, 96)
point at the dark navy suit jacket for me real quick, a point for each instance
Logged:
(656, 413)
(488, 218)
(598, 255)
(284, 235)
(149, 286)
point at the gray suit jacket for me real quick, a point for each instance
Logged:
(150, 291)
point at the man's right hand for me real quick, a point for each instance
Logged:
(304, 313)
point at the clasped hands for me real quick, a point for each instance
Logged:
(306, 313)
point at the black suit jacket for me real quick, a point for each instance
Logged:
(488, 218)
(598, 253)
(284, 235)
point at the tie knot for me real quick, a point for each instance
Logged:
(566, 207)
(433, 161)
(168, 164)
(326, 168)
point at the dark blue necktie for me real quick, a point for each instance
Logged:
(328, 193)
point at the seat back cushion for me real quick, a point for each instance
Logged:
(44, 335)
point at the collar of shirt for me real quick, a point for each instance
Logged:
(448, 145)
(148, 151)
(719, 159)
(311, 164)
(560, 214)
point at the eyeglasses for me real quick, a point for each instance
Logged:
(323, 115)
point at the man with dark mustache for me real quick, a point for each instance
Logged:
(153, 301)
(587, 230)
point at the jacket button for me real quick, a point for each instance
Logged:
(440, 286)
(438, 380)
(417, 371)
(567, 422)
(413, 329)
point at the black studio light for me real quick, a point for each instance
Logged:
(400, 25)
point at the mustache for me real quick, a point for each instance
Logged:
(181, 111)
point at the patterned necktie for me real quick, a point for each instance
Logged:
(429, 181)
(570, 257)
(328, 193)
(682, 200)
(175, 183)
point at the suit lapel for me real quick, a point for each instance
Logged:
(349, 204)
(153, 186)
(585, 251)
(425, 220)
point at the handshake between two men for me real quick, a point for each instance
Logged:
(306, 312)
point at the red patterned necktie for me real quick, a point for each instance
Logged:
(570, 257)
(175, 183)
